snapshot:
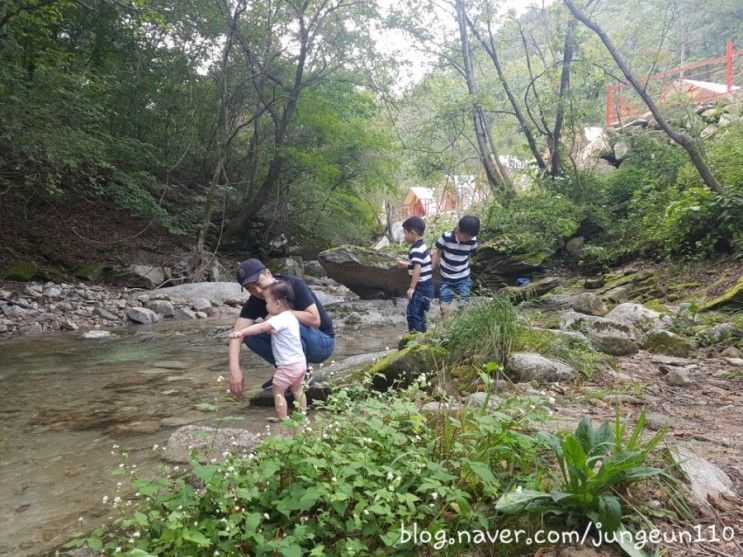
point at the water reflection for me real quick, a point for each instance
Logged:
(65, 401)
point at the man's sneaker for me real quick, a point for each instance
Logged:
(268, 384)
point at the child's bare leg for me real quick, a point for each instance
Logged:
(300, 398)
(279, 402)
(445, 310)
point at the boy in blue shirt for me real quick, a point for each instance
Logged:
(420, 270)
(453, 256)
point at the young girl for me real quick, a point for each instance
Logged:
(285, 343)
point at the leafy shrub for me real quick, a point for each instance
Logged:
(535, 220)
(340, 486)
(592, 463)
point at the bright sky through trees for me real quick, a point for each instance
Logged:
(417, 61)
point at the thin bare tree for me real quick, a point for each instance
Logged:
(679, 137)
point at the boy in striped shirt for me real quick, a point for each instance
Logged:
(453, 256)
(420, 270)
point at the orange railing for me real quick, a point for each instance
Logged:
(694, 83)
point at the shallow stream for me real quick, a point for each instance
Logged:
(66, 401)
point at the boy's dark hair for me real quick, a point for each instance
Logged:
(282, 290)
(415, 224)
(469, 225)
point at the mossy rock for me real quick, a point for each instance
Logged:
(733, 296)
(53, 274)
(657, 305)
(23, 272)
(666, 342)
(404, 366)
(414, 338)
(89, 271)
(639, 278)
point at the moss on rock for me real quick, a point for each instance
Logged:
(23, 272)
(404, 366)
(89, 271)
(733, 296)
(666, 342)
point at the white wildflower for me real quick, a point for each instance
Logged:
(519, 489)
(105, 499)
(220, 379)
(434, 495)
(155, 446)
(390, 475)
(265, 515)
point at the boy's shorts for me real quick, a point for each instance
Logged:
(289, 376)
(461, 288)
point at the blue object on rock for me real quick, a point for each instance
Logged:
(523, 281)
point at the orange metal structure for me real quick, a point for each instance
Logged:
(698, 82)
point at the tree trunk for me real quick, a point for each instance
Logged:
(251, 207)
(486, 154)
(492, 51)
(567, 59)
(681, 138)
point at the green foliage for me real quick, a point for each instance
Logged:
(578, 353)
(535, 221)
(480, 333)
(593, 463)
(340, 485)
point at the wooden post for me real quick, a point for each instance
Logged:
(729, 65)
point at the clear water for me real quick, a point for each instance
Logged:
(65, 401)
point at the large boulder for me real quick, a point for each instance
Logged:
(590, 304)
(216, 292)
(532, 290)
(368, 273)
(660, 341)
(328, 378)
(530, 366)
(634, 315)
(288, 266)
(612, 337)
(629, 285)
(496, 265)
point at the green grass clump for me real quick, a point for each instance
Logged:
(481, 333)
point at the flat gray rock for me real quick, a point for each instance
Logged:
(96, 333)
(209, 442)
(530, 366)
(706, 479)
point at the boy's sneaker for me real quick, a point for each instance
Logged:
(268, 384)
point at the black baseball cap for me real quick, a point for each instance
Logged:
(249, 271)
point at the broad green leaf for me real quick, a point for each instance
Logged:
(196, 537)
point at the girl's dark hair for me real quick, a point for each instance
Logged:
(282, 290)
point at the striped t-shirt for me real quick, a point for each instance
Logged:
(419, 253)
(455, 257)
